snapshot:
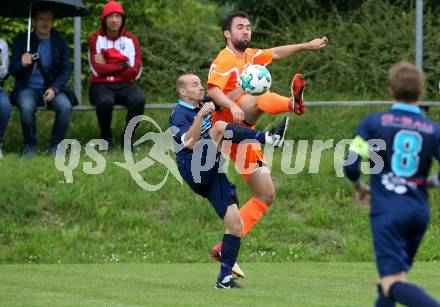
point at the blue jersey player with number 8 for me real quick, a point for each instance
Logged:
(399, 201)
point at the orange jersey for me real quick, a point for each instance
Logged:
(227, 66)
(224, 73)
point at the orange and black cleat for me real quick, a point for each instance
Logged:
(297, 90)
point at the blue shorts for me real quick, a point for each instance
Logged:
(214, 185)
(396, 237)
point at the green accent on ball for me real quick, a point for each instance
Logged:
(264, 73)
(246, 83)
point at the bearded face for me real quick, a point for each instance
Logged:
(240, 33)
(241, 43)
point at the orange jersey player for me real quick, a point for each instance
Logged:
(239, 107)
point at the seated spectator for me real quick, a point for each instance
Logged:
(5, 104)
(41, 75)
(115, 62)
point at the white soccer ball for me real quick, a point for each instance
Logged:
(255, 79)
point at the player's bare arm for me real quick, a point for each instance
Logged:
(282, 52)
(192, 136)
(222, 100)
(235, 93)
(363, 193)
(433, 181)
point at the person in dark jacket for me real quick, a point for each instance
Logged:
(41, 75)
(115, 63)
(5, 103)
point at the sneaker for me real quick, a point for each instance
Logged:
(297, 90)
(275, 136)
(227, 283)
(28, 150)
(237, 271)
(2, 153)
(216, 254)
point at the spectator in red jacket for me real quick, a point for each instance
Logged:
(115, 62)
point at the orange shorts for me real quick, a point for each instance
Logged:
(247, 157)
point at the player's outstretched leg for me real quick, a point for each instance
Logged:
(253, 210)
(411, 295)
(274, 104)
(382, 300)
(230, 248)
(397, 289)
(237, 134)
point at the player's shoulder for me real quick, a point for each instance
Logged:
(130, 35)
(182, 111)
(373, 117)
(254, 51)
(179, 110)
(225, 55)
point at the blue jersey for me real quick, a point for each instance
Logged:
(412, 141)
(182, 118)
(209, 183)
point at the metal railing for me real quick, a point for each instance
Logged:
(308, 104)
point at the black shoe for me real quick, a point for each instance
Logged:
(52, 151)
(227, 283)
(275, 136)
(110, 143)
(2, 153)
(28, 150)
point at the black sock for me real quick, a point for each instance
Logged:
(383, 301)
(230, 248)
(240, 133)
(411, 295)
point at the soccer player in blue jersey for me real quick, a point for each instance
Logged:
(194, 136)
(406, 142)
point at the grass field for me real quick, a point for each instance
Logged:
(103, 241)
(275, 284)
(108, 218)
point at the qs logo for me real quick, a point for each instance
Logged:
(158, 153)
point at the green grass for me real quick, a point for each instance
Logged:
(276, 284)
(107, 218)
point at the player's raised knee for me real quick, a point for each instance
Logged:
(234, 225)
(237, 227)
(267, 196)
(219, 126)
(217, 130)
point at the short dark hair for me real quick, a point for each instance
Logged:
(41, 7)
(406, 81)
(227, 22)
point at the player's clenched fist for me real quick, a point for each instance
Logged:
(317, 43)
(207, 108)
